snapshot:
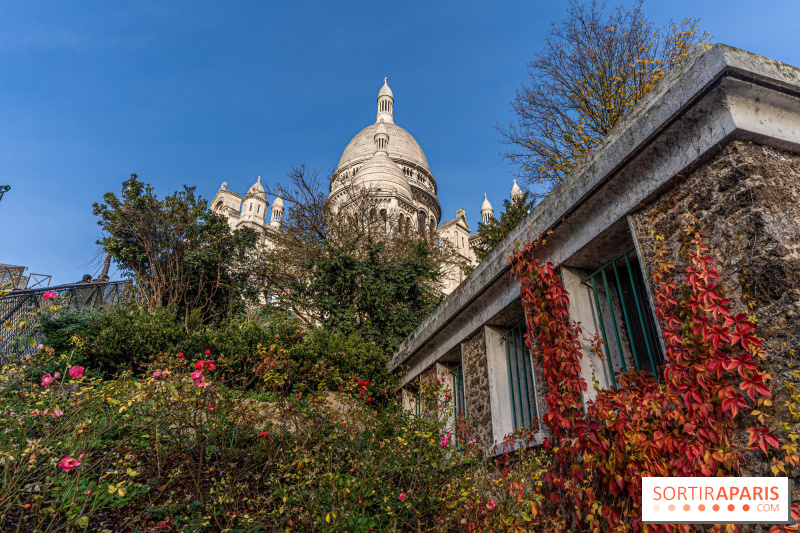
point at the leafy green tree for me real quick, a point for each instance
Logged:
(495, 231)
(374, 291)
(178, 252)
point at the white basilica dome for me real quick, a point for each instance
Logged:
(402, 148)
(398, 165)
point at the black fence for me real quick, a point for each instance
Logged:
(26, 306)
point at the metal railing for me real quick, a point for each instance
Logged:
(626, 302)
(25, 305)
(521, 381)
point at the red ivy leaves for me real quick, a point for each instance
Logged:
(681, 425)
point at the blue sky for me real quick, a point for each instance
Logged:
(201, 92)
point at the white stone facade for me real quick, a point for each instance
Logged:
(386, 159)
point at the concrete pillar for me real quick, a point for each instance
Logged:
(582, 308)
(499, 392)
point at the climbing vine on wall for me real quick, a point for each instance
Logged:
(688, 423)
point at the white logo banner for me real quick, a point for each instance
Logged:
(716, 500)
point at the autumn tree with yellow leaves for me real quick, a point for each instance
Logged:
(592, 70)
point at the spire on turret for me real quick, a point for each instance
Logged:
(254, 206)
(516, 192)
(487, 212)
(277, 212)
(385, 103)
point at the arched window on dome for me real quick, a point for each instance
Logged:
(421, 223)
(432, 224)
(408, 225)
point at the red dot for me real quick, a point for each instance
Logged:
(716, 507)
(731, 507)
(701, 507)
(746, 507)
(686, 507)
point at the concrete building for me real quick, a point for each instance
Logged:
(718, 137)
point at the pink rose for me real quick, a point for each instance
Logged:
(57, 375)
(157, 373)
(47, 379)
(197, 374)
(49, 295)
(57, 412)
(40, 346)
(403, 496)
(447, 395)
(76, 371)
(491, 505)
(68, 463)
(445, 440)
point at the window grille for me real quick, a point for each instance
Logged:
(458, 392)
(621, 285)
(417, 405)
(521, 381)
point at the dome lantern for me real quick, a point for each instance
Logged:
(381, 139)
(385, 104)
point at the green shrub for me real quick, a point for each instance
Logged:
(351, 353)
(126, 339)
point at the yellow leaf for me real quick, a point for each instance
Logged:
(9, 326)
(112, 489)
(121, 491)
(328, 518)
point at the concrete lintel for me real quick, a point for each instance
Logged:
(715, 95)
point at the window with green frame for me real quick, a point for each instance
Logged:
(457, 375)
(521, 380)
(626, 320)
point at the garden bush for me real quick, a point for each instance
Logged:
(351, 353)
(278, 447)
(127, 338)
